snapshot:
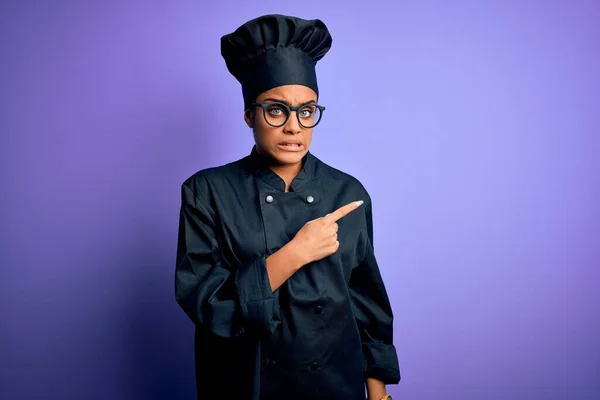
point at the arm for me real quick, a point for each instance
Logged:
(227, 300)
(375, 318)
(284, 263)
(375, 388)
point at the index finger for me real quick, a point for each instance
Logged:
(343, 211)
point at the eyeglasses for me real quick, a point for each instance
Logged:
(277, 114)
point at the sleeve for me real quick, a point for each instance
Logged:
(374, 313)
(227, 300)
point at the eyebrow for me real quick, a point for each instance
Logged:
(286, 103)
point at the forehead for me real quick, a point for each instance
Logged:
(293, 94)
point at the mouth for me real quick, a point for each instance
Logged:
(291, 146)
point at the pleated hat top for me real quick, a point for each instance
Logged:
(275, 50)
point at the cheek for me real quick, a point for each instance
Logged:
(308, 135)
(263, 134)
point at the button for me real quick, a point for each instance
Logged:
(269, 199)
(318, 310)
(310, 199)
(314, 366)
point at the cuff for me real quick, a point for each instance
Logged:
(381, 362)
(257, 300)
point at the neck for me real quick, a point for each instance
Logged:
(287, 173)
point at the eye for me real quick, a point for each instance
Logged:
(306, 112)
(276, 111)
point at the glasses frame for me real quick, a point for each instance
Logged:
(289, 112)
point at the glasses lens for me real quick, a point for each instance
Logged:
(309, 115)
(276, 114)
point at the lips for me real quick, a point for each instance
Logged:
(291, 145)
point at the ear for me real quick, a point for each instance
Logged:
(249, 117)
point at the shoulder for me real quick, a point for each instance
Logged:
(203, 181)
(341, 180)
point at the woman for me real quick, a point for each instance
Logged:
(275, 262)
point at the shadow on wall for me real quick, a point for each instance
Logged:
(159, 336)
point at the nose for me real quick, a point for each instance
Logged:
(292, 126)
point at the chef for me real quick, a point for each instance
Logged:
(275, 258)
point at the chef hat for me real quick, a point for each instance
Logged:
(275, 50)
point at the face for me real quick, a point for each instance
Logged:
(285, 145)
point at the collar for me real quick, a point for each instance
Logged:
(262, 171)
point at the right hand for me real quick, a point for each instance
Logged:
(317, 239)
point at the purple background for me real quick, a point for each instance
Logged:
(473, 124)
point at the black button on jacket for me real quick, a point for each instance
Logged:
(317, 336)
